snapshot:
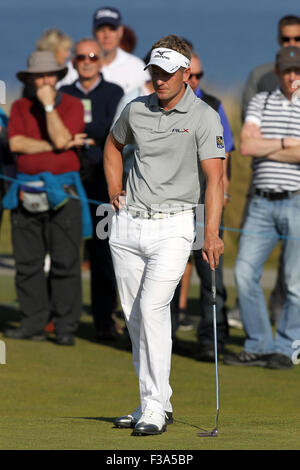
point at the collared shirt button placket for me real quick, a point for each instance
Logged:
(162, 123)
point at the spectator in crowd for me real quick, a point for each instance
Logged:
(271, 135)
(205, 332)
(7, 161)
(3, 120)
(263, 78)
(100, 100)
(129, 40)
(45, 213)
(3, 146)
(119, 66)
(61, 45)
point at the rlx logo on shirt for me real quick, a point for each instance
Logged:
(181, 131)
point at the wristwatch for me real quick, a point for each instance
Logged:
(48, 108)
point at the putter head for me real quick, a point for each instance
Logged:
(213, 433)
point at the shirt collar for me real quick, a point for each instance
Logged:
(182, 106)
(83, 90)
(281, 95)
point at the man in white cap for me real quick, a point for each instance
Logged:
(178, 142)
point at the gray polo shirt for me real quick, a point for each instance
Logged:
(169, 148)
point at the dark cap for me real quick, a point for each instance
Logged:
(288, 57)
(106, 15)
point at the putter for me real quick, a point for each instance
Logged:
(214, 432)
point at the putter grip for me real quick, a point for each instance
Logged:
(213, 286)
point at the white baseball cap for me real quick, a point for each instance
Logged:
(168, 59)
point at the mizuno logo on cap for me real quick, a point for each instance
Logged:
(161, 55)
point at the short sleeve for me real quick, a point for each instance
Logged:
(122, 130)
(209, 135)
(228, 137)
(15, 122)
(255, 108)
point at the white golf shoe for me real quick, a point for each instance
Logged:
(149, 423)
(130, 420)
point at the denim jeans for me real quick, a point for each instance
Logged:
(265, 222)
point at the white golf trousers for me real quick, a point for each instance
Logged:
(149, 258)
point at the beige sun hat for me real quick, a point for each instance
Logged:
(42, 62)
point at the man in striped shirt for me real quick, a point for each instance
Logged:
(271, 134)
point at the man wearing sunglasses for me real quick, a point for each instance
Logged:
(100, 99)
(263, 77)
(204, 333)
(271, 135)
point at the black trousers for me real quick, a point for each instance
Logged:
(58, 297)
(205, 326)
(103, 281)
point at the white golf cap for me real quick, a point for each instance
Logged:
(168, 60)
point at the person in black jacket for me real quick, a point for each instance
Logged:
(100, 100)
(181, 319)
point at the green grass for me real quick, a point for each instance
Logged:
(67, 398)
(55, 397)
(5, 235)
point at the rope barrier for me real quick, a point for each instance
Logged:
(224, 228)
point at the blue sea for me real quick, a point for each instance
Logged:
(231, 36)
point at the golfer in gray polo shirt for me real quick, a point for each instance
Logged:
(179, 143)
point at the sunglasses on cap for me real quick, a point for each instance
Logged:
(290, 38)
(196, 75)
(91, 56)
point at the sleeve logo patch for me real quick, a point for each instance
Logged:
(220, 142)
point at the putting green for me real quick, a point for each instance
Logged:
(55, 397)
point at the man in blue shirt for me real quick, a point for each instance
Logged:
(100, 100)
(205, 333)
